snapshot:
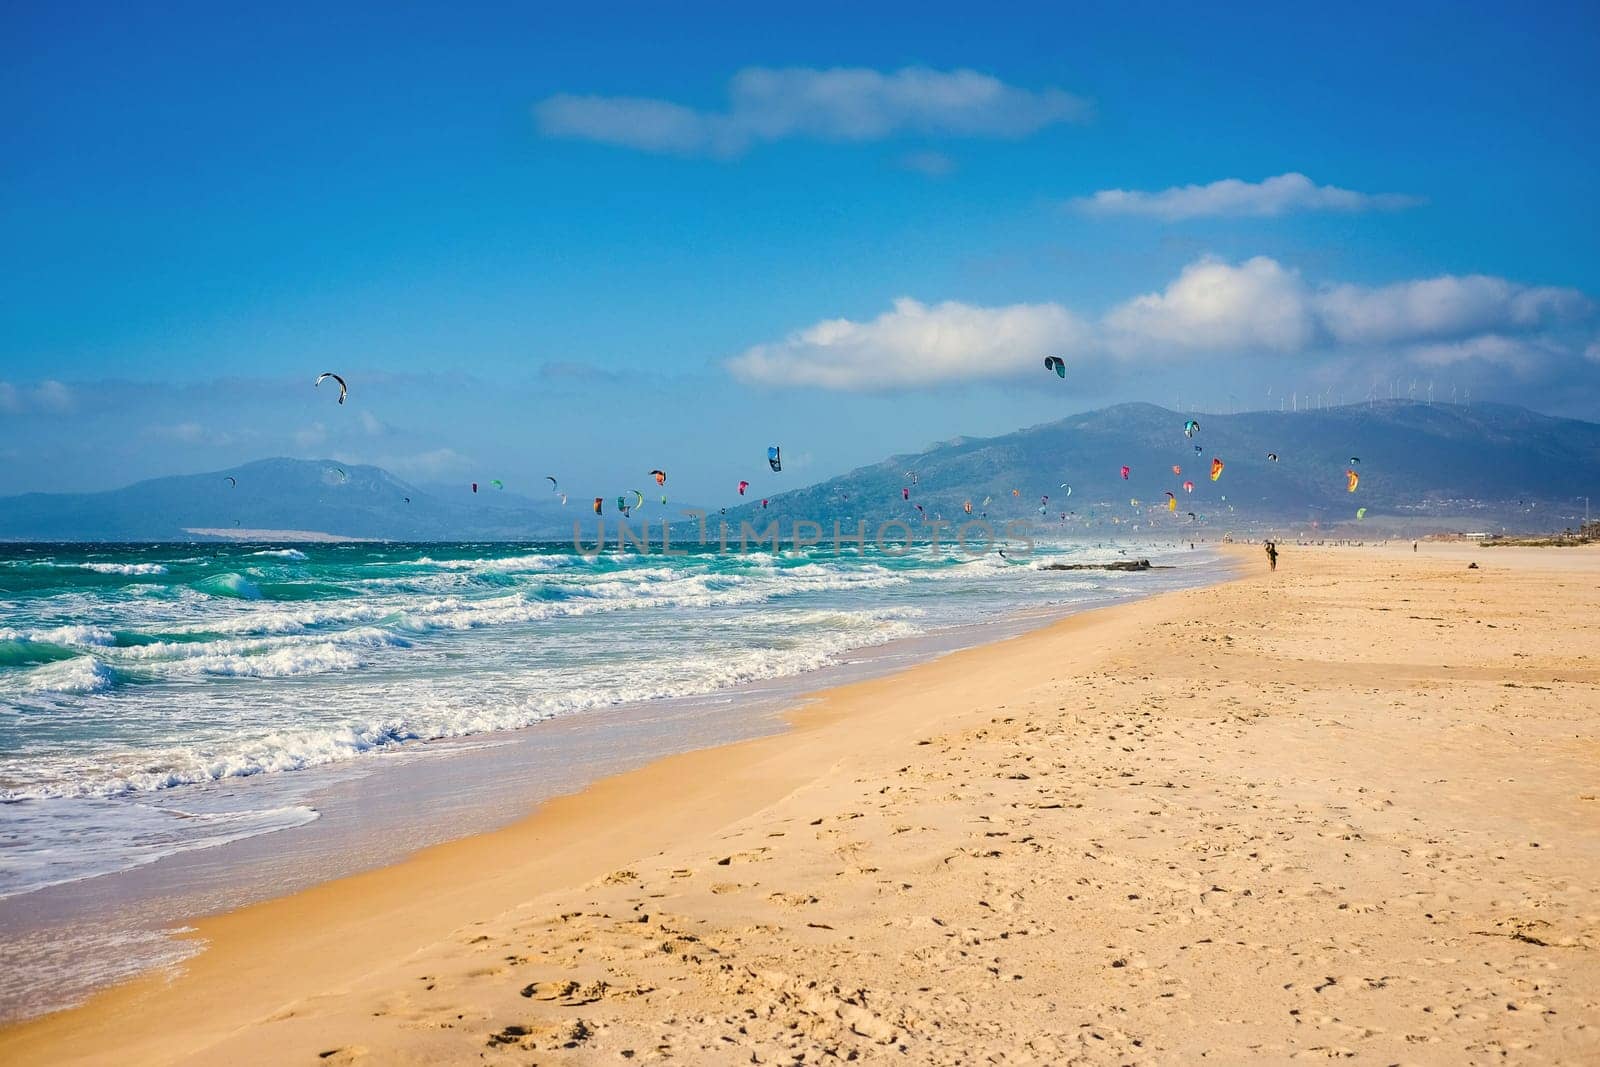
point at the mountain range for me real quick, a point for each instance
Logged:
(1421, 467)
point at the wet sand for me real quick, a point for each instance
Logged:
(1351, 808)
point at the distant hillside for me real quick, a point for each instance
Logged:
(1421, 466)
(278, 494)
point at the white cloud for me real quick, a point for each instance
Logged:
(1516, 353)
(630, 122)
(372, 424)
(915, 344)
(1262, 305)
(1281, 195)
(1447, 306)
(837, 104)
(1212, 309)
(1259, 304)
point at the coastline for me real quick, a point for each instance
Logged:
(302, 972)
(67, 942)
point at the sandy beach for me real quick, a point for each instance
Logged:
(1347, 809)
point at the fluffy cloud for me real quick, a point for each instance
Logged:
(838, 104)
(1261, 305)
(1212, 305)
(1447, 306)
(1232, 197)
(1521, 354)
(1213, 308)
(631, 122)
(915, 344)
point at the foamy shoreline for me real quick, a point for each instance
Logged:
(338, 818)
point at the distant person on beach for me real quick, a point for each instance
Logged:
(1272, 555)
(1413, 546)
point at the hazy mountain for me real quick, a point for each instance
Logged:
(1422, 467)
(280, 494)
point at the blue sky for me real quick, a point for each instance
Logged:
(596, 243)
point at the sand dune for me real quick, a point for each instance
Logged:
(1349, 809)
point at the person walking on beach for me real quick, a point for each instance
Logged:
(1272, 555)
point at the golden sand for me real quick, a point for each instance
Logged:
(1349, 809)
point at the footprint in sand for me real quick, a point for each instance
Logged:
(755, 855)
(573, 994)
(533, 1036)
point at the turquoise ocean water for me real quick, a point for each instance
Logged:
(142, 685)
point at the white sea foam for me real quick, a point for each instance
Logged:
(509, 565)
(283, 663)
(276, 620)
(242, 757)
(359, 637)
(282, 553)
(465, 656)
(54, 968)
(636, 591)
(263, 658)
(61, 635)
(122, 568)
(79, 676)
(49, 843)
(453, 707)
